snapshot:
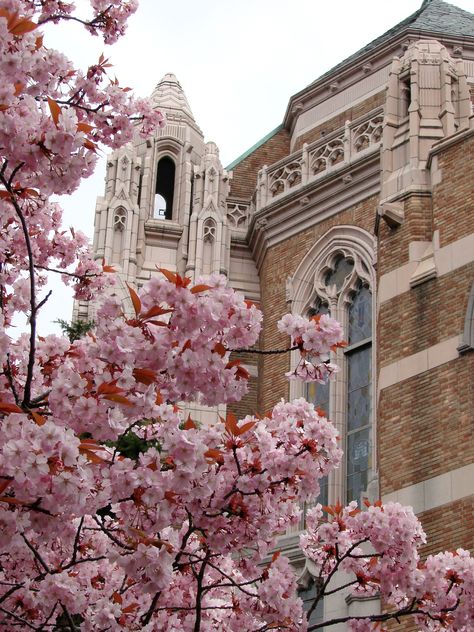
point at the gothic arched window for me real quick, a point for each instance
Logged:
(337, 276)
(343, 290)
(164, 191)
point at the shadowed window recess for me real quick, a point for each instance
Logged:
(164, 192)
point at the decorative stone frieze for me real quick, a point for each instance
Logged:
(340, 148)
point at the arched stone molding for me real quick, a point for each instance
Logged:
(467, 340)
(344, 239)
(307, 285)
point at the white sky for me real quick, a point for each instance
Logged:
(238, 62)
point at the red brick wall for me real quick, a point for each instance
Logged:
(417, 226)
(244, 181)
(425, 425)
(453, 197)
(424, 316)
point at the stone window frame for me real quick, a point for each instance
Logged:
(303, 288)
(467, 336)
(171, 149)
(169, 214)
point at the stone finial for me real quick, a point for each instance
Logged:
(169, 95)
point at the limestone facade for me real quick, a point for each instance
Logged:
(361, 204)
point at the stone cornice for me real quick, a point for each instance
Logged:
(335, 191)
(352, 70)
(172, 230)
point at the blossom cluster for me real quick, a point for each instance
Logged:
(315, 338)
(379, 549)
(119, 511)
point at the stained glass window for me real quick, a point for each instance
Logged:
(351, 304)
(359, 378)
(342, 268)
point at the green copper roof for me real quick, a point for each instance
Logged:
(253, 148)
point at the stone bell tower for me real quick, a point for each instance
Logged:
(164, 204)
(427, 100)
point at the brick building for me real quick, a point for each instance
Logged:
(360, 203)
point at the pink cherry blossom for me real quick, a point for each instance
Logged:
(179, 535)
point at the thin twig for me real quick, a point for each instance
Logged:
(261, 352)
(33, 309)
(36, 554)
(76, 540)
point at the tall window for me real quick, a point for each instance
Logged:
(164, 192)
(342, 289)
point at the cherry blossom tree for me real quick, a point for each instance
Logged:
(180, 535)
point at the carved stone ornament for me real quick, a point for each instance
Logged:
(392, 213)
(340, 292)
(120, 219)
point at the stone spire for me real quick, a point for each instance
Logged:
(169, 95)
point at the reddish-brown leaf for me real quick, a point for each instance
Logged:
(187, 345)
(7, 407)
(232, 363)
(189, 424)
(242, 373)
(19, 87)
(144, 376)
(156, 310)
(11, 501)
(109, 387)
(137, 304)
(88, 144)
(92, 456)
(84, 127)
(131, 608)
(200, 288)
(106, 268)
(22, 26)
(245, 428)
(38, 419)
(28, 193)
(220, 349)
(117, 597)
(4, 484)
(213, 455)
(171, 276)
(231, 424)
(90, 444)
(119, 399)
(55, 110)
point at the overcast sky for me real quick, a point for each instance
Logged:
(238, 62)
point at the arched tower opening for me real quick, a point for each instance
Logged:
(164, 191)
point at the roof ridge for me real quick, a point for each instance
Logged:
(464, 30)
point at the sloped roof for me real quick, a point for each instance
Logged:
(434, 16)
